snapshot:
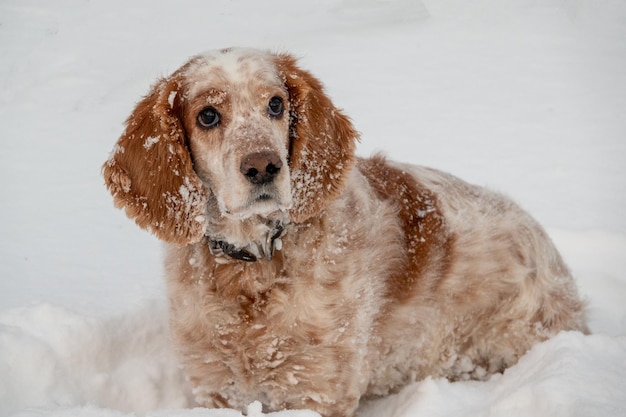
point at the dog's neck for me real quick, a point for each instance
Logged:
(250, 239)
(262, 248)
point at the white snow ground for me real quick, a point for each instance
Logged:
(525, 96)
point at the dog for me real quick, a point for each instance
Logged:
(305, 277)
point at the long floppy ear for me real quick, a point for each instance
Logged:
(150, 173)
(322, 142)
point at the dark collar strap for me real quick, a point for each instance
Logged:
(231, 250)
(222, 247)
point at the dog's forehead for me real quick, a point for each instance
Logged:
(236, 67)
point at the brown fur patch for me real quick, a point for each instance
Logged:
(427, 239)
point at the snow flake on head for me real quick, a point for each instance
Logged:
(184, 192)
(216, 97)
(150, 141)
(171, 97)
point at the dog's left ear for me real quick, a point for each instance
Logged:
(322, 142)
(150, 172)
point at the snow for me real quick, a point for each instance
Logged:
(533, 387)
(525, 96)
(150, 141)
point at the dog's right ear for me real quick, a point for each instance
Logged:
(150, 172)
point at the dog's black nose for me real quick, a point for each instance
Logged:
(261, 167)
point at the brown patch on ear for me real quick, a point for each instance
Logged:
(322, 142)
(150, 173)
(428, 241)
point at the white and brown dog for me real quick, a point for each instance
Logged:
(305, 277)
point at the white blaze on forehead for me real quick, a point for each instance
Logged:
(235, 67)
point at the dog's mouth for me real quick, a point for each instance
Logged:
(263, 203)
(264, 197)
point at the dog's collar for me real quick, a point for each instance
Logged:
(253, 251)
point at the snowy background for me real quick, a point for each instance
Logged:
(525, 96)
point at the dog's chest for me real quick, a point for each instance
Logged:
(282, 336)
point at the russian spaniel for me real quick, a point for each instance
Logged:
(303, 276)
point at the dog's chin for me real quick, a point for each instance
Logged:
(262, 205)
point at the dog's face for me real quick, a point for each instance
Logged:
(235, 134)
(236, 117)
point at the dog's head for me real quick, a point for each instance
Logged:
(241, 131)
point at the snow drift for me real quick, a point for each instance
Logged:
(55, 362)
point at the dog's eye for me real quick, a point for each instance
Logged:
(275, 107)
(208, 118)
